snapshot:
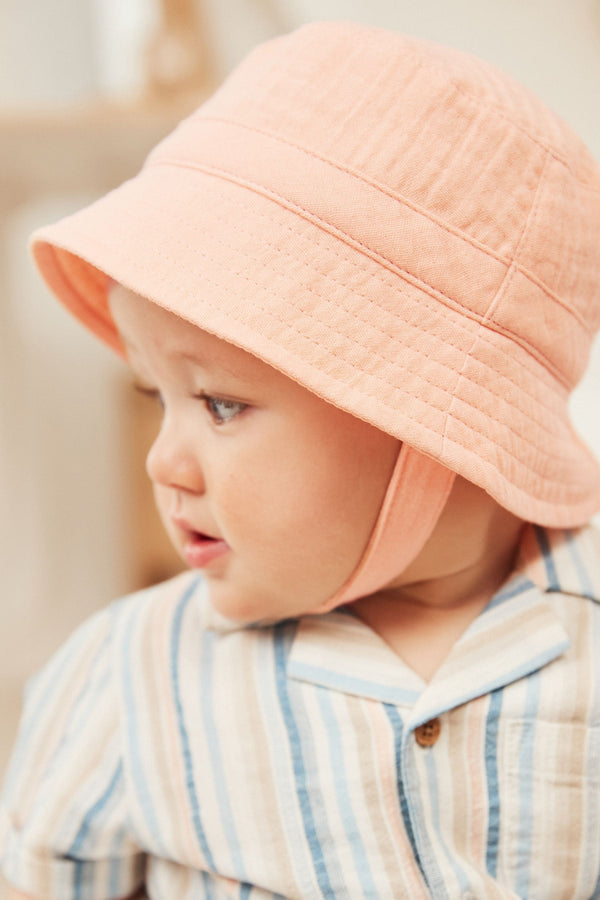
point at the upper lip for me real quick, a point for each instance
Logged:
(184, 525)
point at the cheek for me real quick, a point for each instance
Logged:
(247, 493)
(352, 469)
(317, 499)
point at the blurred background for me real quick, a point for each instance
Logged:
(86, 88)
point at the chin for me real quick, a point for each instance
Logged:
(237, 606)
(248, 608)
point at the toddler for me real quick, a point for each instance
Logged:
(361, 281)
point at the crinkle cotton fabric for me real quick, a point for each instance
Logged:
(397, 226)
(161, 747)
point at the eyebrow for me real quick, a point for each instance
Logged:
(193, 358)
(236, 372)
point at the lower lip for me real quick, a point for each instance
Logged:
(200, 552)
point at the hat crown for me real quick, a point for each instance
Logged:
(463, 144)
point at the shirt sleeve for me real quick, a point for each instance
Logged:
(64, 829)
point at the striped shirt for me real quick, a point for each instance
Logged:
(305, 760)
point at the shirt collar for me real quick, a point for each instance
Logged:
(518, 633)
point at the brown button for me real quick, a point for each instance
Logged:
(428, 733)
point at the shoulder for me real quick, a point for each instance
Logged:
(65, 815)
(564, 564)
(137, 618)
(73, 706)
(565, 561)
(87, 658)
(162, 602)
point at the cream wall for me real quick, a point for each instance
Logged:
(59, 478)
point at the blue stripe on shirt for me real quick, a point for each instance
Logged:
(430, 768)
(295, 745)
(526, 747)
(185, 743)
(95, 810)
(491, 767)
(584, 579)
(343, 682)
(544, 545)
(398, 729)
(57, 669)
(340, 779)
(512, 589)
(219, 780)
(138, 778)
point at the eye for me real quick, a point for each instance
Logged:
(223, 410)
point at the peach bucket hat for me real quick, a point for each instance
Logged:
(397, 226)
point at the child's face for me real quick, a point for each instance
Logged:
(268, 489)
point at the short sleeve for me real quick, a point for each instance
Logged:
(64, 829)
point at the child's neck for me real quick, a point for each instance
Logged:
(423, 615)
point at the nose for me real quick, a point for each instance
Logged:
(173, 460)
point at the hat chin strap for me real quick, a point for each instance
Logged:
(415, 497)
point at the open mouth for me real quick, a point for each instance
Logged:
(200, 549)
(200, 536)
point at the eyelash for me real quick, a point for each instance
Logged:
(211, 403)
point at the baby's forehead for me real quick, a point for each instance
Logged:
(150, 333)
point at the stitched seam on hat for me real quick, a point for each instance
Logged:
(379, 276)
(393, 195)
(411, 204)
(503, 287)
(387, 263)
(556, 488)
(393, 270)
(368, 301)
(514, 266)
